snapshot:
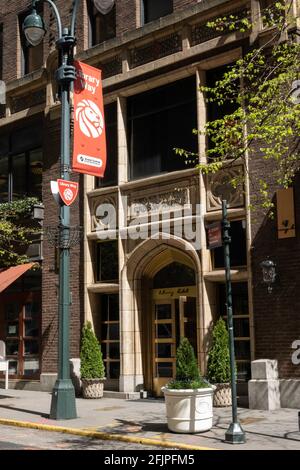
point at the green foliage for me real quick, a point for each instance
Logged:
(91, 365)
(187, 372)
(218, 365)
(16, 229)
(265, 123)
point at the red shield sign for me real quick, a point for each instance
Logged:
(68, 191)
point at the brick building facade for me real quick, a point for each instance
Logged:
(153, 60)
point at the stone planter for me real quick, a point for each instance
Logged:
(92, 388)
(222, 395)
(189, 411)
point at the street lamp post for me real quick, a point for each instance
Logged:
(63, 396)
(235, 433)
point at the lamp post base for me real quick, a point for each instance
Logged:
(63, 404)
(235, 434)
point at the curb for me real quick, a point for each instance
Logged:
(101, 435)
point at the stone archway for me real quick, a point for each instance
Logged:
(145, 261)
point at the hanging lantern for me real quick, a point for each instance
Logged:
(269, 273)
(104, 6)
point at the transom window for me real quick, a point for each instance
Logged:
(160, 120)
(153, 9)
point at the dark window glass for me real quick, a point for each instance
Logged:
(111, 172)
(159, 121)
(164, 330)
(215, 110)
(4, 179)
(20, 176)
(239, 298)
(110, 334)
(107, 261)
(35, 173)
(164, 369)
(114, 370)
(163, 311)
(102, 27)
(238, 255)
(174, 275)
(163, 350)
(31, 57)
(153, 9)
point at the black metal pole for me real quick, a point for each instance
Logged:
(235, 433)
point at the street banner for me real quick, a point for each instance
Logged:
(89, 154)
(68, 191)
(214, 235)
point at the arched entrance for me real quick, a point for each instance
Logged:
(173, 316)
(160, 285)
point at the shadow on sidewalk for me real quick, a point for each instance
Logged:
(22, 410)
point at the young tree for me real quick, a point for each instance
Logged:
(262, 87)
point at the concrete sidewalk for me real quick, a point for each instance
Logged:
(147, 419)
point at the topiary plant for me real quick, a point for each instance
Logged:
(91, 362)
(218, 365)
(187, 372)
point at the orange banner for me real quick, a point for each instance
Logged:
(89, 154)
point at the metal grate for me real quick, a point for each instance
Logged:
(155, 50)
(111, 67)
(202, 33)
(27, 101)
(63, 237)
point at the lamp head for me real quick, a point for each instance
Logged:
(34, 28)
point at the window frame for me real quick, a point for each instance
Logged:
(143, 12)
(92, 24)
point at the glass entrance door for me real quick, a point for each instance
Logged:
(173, 319)
(21, 332)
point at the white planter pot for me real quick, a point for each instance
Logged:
(189, 411)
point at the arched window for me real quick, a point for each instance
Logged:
(174, 275)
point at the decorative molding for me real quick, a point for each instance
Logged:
(97, 219)
(219, 187)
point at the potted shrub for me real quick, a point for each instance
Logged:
(188, 397)
(218, 364)
(91, 364)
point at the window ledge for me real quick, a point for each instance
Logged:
(105, 288)
(239, 274)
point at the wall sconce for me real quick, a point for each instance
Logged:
(269, 273)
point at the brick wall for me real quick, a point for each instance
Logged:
(50, 275)
(276, 315)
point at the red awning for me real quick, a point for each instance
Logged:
(10, 275)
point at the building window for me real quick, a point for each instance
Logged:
(214, 109)
(21, 175)
(101, 27)
(111, 172)
(107, 269)
(153, 9)
(238, 252)
(31, 57)
(241, 325)
(160, 120)
(110, 334)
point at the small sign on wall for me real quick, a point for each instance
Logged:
(285, 213)
(214, 235)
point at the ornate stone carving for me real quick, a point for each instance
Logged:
(219, 186)
(104, 212)
(161, 202)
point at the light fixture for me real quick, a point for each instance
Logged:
(34, 28)
(269, 273)
(104, 6)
